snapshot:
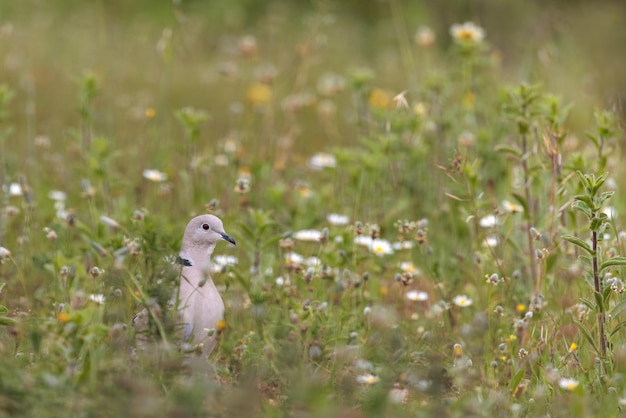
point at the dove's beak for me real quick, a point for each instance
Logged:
(228, 238)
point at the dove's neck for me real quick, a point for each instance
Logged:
(196, 262)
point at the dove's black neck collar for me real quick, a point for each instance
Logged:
(185, 262)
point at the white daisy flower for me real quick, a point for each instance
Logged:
(15, 189)
(402, 245)
(98, 298)
(467, 32)
(337, 219)
(310, 235)
(417, 295)
(322, 160)
(567, 383)
(462, 301)
(367, 379)
(154, 175)
(489, 221)
(364, 240)
(381, 247)
(57, 195)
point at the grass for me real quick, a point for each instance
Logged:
(424, 225)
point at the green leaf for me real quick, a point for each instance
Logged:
(618, 308)
(515, 380)
(583, 207)
(615, 261)
(6, 321)
(599, 301)
(3, 310)
(585, 260)
(505, 149)
(587, 334)
(579, 242)
(617, 329)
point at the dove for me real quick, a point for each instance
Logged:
(199, 303)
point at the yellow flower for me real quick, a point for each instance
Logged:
(383, 290)
(521, 308)
(259, 94)
(221, 325)
(63, 317)
(572, 348)
(379, 99)
(150, 113)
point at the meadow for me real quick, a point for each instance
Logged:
(427, 199)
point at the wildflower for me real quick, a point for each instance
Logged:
(221, 325)
(4, 254)
(293, 258)
(221, 262)
(466, 139)
(337, 219)
(467, 33)
(330, 84)
(400, 100)
(309, 235)
(522, 353)
(424, 37)
(489, 221)
(398, 395)
(520, 307)
(491, 241)
(420, 109)
(572, 347)
(322, 160)
(57, 195)
(367, 310)
(494, 279)
(15, 189)
(98, 298)
(63, 317)
(242, 186)
(457, 350)
(402, 245)
(568, 384)
(111, 223)
(417, 296)
(462, 301)
(381, 247)
(534, 233)
(150, 113)
(367, 379)
(280, 281)
(95, 272)
(379, 99)
(312, 262)
(512, 207)
(408, 267)
(154, 175)
(364, 240)
(50, 234)
(42, 142)
(12, 210)
(248, 46)
(303, 189)
(259, 94)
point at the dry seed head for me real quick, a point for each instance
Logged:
(535, 233)
(358, 228)
(374, 231)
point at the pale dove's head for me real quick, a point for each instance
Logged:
(202, 233)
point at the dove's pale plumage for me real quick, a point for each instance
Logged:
(199, 302)
(200, 306)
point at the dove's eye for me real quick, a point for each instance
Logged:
(206, 227)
